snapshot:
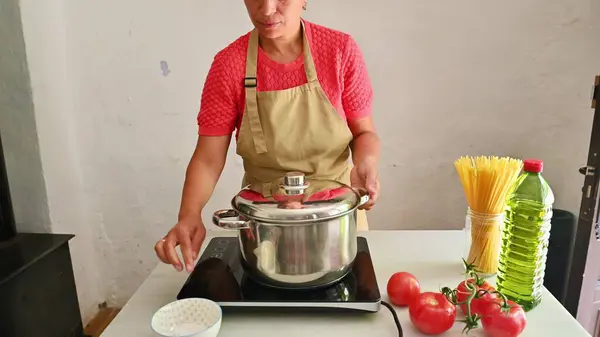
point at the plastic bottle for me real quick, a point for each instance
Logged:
(525, 237)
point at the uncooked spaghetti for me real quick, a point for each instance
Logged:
(486, 181)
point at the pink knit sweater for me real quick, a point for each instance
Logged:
(340, 66)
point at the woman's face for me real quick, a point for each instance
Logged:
(275, 18)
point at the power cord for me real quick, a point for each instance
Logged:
(396, 320)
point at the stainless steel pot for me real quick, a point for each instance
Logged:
(304, 236)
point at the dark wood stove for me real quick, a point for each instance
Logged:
(38, 296)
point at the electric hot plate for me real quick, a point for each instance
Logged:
(220, 276)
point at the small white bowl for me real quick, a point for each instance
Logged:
(190, 317)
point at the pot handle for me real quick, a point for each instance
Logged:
(364, 195)
(229, 219)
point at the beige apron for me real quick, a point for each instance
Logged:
(294, 129)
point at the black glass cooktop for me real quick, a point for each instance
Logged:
(220, 276)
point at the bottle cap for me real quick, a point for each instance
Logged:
(533, 165)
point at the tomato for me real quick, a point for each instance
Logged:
(432, 313)
(503, 321)
(403, 288)
(463, 293)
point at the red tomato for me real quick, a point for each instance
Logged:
(463, 293)
(503, 321)
(403, 288)
(432, 313)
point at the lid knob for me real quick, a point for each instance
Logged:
(293, 183)
(294, 179)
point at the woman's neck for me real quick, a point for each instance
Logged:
(284, 49)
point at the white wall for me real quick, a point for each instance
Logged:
(18, 126)
(45, 181)
(451, 78)
(46, 29)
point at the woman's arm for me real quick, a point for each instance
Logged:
(203, 172)
(365, 156)
(365, 146)
(216, 122)
(357, 100)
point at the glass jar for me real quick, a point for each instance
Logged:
(483, 238)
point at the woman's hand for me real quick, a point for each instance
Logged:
(365, 175)
(188, 233)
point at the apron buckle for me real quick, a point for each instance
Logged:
(250, 82)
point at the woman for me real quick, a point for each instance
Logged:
(300, 98)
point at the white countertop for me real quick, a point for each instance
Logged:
(434, 257)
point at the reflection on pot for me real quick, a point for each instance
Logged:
(291, 204)
(284, 201)
(308, 256)
(265, 255)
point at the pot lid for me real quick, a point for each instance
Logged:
(296, 199)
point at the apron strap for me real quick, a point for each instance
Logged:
(309, 63)
(250, 84)
(265, 189)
